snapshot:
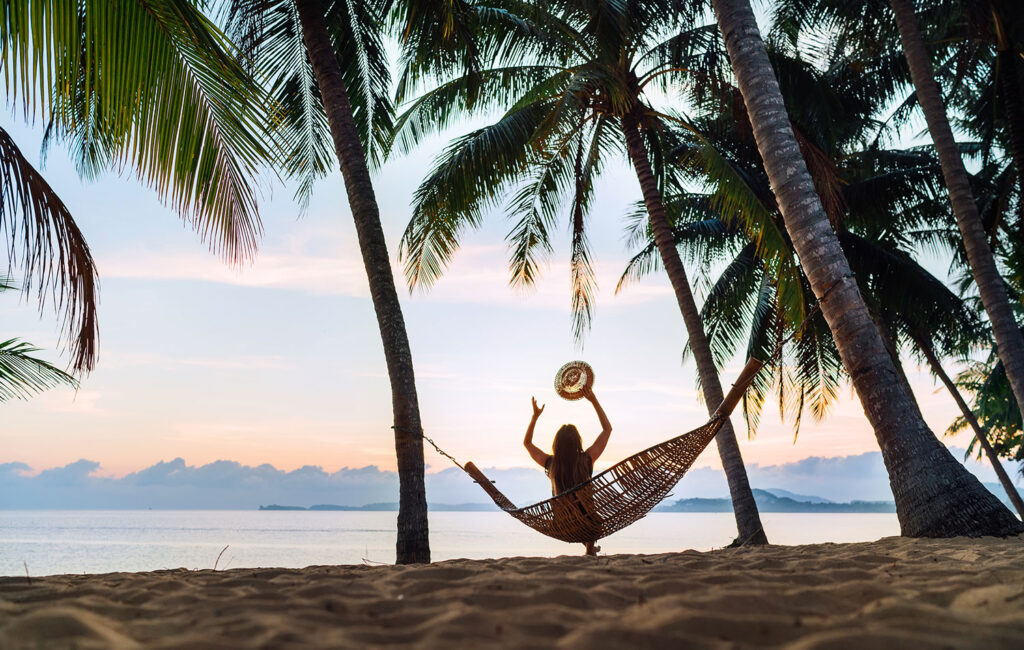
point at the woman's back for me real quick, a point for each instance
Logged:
(568, 470)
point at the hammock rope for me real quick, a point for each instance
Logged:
(630, 489)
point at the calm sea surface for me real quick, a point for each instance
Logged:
(96, 541)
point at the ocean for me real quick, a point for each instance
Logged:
(51, 542)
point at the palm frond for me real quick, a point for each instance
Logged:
(438, 109)
(23, 375)
(727, 308)
(269, 37)
(357, 29)
(150, 86)
(45, 245)
(467, 178)
(584, 283)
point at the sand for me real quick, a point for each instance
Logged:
(893, 593)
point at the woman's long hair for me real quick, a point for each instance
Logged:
(570, 465)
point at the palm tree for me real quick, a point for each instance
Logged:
(142, 86)
(982, 74)
(979, 254)
(23, 375)
(978, 43)
(876, 197)
(314, 53)
(995, 415)
(934, 494)
(572, 77)
(994, 407)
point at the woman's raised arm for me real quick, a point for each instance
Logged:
(597, 448)
(536, 454)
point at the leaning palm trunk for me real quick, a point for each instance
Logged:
(748, 521)
(979, 432)
(935, 495)
(413, 543)
(1009, 341)
(894, 354)
(1007, 64)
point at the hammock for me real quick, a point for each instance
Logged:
(625, 492)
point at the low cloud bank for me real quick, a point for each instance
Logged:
(230, 485)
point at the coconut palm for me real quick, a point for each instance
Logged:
(148, 87)
(885, 203)
(995, 410)
(984, 73)
(982, 262)
(326, 66)
(874, 195)
(22, 374)
(959, 28)
(574, 79)
(934, 494)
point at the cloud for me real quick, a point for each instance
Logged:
(72, 475)
(230, 485)
(13, 469)
(325, 275)
(323, 263)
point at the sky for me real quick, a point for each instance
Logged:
(280, 362)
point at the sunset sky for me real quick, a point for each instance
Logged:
(280, 361)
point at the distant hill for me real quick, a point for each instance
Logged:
(779, 492)
(768, 502)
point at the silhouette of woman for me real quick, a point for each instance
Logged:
(569, 465)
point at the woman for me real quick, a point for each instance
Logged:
(570, 465)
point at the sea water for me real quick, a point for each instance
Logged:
(47, 542)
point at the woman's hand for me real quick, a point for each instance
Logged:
(588, 394)
(537, 410)
(536, 454)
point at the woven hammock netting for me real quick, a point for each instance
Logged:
(616, 497)
(627, 491)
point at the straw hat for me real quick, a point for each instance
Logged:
(572, 378)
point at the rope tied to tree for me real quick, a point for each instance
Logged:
(433, 444)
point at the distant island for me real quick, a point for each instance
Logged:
(778, 501)
(773, 500)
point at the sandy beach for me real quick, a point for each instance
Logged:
(893, 593)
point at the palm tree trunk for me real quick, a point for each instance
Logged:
(748, 520)
(1008, 64)
(894, 354)
(413, 544)
(1014, 103)
(1009, 340)
(979, 433)
(935, 495)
